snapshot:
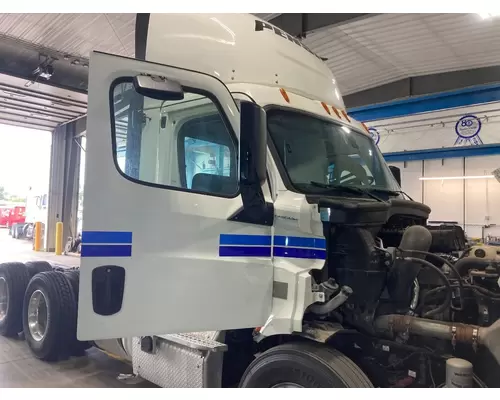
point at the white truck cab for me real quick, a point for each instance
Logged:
(225, 237)
(241, 229)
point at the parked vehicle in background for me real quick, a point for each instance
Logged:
(35, 210)
(12, 214)
(4, 216)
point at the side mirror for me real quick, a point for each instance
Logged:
(253, 144)
(396, 172)
(158, 88)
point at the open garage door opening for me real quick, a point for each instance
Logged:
(24, 182)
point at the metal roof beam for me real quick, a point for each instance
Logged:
(300, 24)
(466, 97)
(424, 85)
(20, 59)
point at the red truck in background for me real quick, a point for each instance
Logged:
(10, 215)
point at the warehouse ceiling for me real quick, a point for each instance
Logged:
(375, 57)
(38, 106)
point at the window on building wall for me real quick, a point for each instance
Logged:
(174, 144)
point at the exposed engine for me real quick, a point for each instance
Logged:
(390, 276)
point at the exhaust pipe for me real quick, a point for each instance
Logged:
(388, 325)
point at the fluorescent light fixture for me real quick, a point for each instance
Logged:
(489, 15)
(448, 178)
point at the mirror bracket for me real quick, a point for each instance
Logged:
(158, 87)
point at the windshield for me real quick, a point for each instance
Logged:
(314, 151)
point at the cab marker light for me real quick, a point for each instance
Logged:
(336, 112)
(346, 116)
(366, 128)
(285, 95)
(326, 108)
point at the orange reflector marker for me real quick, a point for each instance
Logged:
(346, 116)
(336, 112)
(326, 108)
(285, 95)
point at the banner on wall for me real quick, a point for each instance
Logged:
(467, 129)
(443, 131)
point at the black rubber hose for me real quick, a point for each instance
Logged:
(476, 288)
(447, 301)
(429, 294)
(464, 265)
(449, 264)
(484, 291)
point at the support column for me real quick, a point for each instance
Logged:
(63, 184)
(71, 183)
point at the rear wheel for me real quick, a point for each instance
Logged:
(14, 278)
(49, 316)
(304, 365)
(35, 267)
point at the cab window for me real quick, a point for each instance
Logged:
(184, 145)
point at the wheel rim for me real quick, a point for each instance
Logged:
(286, 385)
(37, 315)
(4, 298)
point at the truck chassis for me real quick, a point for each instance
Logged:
(316, 358)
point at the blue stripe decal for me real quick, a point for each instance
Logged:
(294, 241)
(260, 246)
(244, 251)
(292, 252)
(111, 250)
(249, 240)
(427, 103)
(94, 237)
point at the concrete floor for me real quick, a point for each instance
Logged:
(18, 367)
(21, 250)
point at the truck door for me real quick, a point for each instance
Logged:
(161, 252)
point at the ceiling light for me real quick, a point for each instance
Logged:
(489, 15)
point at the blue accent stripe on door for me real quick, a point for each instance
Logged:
(93, 237)
(294, 241)
(249, 240)
(293, 252)
(111, 250)
(244, 251)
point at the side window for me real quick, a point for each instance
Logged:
(204, 157)
(184, 144)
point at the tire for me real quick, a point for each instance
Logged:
(306, 365)
(73, 275)
(35, 267)
(14, 279)
(59, 331)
